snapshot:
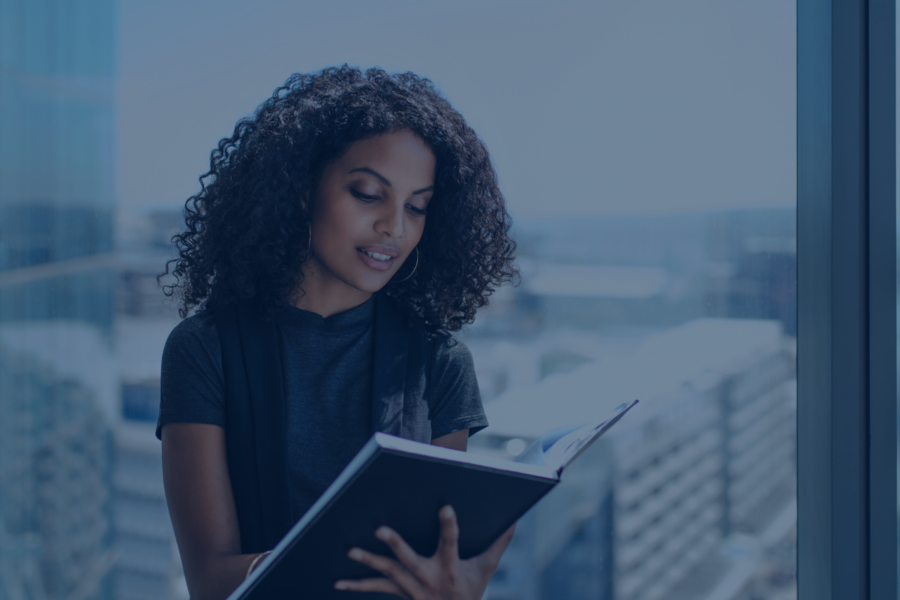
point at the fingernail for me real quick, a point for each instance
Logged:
(383, 533)
(340, 585)
(356, 554)
(447, 512)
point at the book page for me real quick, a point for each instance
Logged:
(570, 446)
(537, 452)
(560, 447)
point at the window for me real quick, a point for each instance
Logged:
(648, 154)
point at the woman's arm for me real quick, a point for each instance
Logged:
(455, 441)
(201, 504)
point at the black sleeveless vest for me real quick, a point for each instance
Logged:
(256, 409)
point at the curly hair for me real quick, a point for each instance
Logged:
(247, 229)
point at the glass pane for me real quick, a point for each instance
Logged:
(647, 153)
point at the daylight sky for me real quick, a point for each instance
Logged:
(588, 108)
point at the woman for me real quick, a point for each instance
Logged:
(341, 231)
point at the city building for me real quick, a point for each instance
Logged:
(149, 566)
(647, 272)
(56, 293)
(701, 468)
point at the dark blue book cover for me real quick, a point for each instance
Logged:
(403, 484)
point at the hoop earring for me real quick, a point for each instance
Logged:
(414, 268)
(309, 244)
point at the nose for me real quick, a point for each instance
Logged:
(390, 220)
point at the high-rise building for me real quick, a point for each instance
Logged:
(57, 391)
(149, 565)
(686, 495)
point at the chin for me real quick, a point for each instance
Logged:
(371, 289)
(370, 284)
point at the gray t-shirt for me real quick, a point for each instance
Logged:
(327, 365)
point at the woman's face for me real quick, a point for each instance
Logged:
(368, 212)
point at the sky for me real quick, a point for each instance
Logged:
(587, 108)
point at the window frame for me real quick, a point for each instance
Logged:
(846, 299)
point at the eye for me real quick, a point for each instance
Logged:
(364, 197)
(415, 209)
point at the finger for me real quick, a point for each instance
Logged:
(448, 548)
(374, 584)
(388, 567)
(408, 557)
(490, 558)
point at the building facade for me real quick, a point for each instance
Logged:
(56, 295)
(687, 497)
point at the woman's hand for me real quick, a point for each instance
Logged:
(443, 576)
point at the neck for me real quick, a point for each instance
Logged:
(326, 296)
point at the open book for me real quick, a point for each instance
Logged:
(558, 448)
(402, 484)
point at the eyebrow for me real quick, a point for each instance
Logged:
(384, 179)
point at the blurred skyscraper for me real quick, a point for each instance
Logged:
(57, 379)
(149, 566)
(688, 498)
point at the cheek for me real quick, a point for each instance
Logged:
(418, 229)
(327, 213)
(337, 224)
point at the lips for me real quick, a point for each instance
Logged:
(383, 249)
(378, 260)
